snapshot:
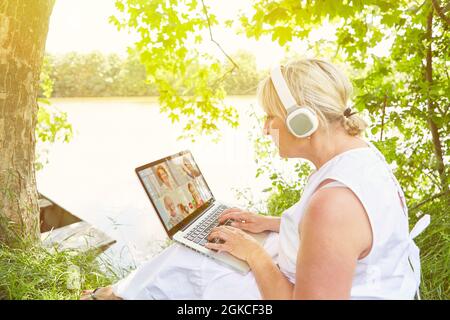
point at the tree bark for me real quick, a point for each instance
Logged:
(431, 110)
(23, 33)
(440, 12)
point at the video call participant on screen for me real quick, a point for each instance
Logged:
(165, 178)
(174, 217)
(189, 169)
(183, 209)
(196, 195)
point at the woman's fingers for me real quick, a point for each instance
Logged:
(217, 246)
(241, 220)
(231, 210)
(234, 215)
(228, 212)
(240, 225)
(220, 234)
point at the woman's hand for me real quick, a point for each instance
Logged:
(249, 221)
(234, 241)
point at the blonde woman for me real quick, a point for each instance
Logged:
(183, 209)
(347, 237)
(198, 201)
(164, 178)
(171, 209)
(189, 169)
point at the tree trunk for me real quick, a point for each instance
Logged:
(23, 32)
(433, 127)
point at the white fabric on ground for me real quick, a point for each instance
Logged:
(181, 273)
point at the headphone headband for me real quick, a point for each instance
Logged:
(282, 88)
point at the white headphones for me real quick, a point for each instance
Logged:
(301, 120)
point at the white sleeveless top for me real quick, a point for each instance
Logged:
(391, 270)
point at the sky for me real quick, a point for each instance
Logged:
(82, 26)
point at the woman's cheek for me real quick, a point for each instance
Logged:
(275, 135)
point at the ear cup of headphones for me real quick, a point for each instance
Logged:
(302, 122)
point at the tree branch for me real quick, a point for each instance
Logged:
(440, 12)
(223, 77)
(212, 39)
(421, 203)
(382, 117)
(434, 129)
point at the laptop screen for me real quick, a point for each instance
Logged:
(176, 187)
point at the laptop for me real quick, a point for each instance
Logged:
(186, 206)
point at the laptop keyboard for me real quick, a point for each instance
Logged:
(199, 234)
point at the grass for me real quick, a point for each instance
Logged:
(434, 244)
(33, 272)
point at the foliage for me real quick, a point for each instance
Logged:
(31, 272)
(403, 104)
(167, 29)
(284, 194)
(110, 75)
(287, 177)
(97, 75)
(245, 79)
(434, 244)
(52, 124)
(407, 103)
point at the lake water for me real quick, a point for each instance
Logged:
(93, 176)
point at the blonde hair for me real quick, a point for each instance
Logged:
(319, 85)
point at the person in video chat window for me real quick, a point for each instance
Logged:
(171, 209)
(189, 169)
(164, 178)
(196, 195)
(183, 209)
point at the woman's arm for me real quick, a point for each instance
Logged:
(335, 232)
(272, 283)
(272, 223)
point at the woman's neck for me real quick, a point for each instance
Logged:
(325, 149)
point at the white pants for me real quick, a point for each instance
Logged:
(181, 273)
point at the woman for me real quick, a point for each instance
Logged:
(189, 169)
(183, 209)
(171, 210)
(164, 178)
(347, 237)
(195, 195)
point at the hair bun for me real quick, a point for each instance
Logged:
(353, 124)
